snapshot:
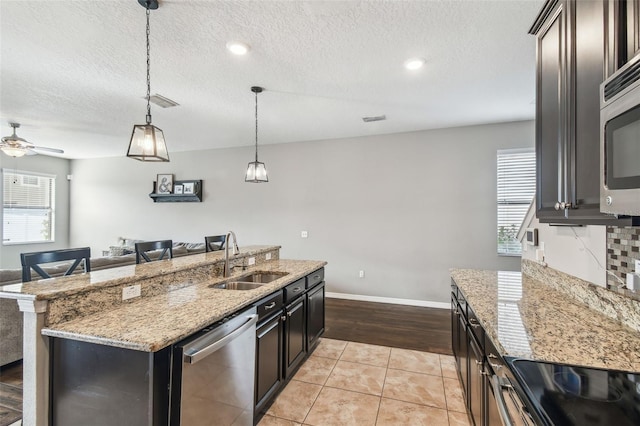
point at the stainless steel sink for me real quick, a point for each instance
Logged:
(235, 285)
(250, 281)
(261, 277)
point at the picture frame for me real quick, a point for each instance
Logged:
(164, 184)
(189, 187)
(177, 189)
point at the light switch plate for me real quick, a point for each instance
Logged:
(130, 292)
(637, 270)
(267, 256)
(252, 261)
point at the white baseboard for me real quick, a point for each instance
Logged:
(395, 301)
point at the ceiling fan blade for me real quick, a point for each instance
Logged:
(31, 152)
(44, 148)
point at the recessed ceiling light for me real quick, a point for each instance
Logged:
(238, 47)
(414, 63)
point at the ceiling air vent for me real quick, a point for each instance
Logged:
(161, 101)
(376, 118)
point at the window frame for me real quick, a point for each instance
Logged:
(51, 209)
(523, 203)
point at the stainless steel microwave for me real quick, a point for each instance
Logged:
(620, 141)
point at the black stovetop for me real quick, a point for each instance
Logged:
(571, 395)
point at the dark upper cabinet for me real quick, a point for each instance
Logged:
(622, 20)
(570, 48)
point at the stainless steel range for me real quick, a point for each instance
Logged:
(559, 394)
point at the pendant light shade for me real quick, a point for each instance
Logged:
(147, 141)
(256, 171)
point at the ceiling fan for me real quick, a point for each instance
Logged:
(15, 146)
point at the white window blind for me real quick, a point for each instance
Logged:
(516, 188)
(28, 207)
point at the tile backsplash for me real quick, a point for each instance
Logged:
(623, 248)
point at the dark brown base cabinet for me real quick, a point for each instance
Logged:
(468, 340)
(315, 317)
(286, 335)
(269, 375)
(295, 335)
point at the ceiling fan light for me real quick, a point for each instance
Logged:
(147, 144)
(256, 173)
(14, 151)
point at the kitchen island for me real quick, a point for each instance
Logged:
(527, 318)
(176, 300)
(541, 347)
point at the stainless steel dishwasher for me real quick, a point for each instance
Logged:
(212, 380)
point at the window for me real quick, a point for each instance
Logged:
(28, 207)
(516, 188)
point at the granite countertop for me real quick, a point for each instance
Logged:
(526, 318)
(152, 323)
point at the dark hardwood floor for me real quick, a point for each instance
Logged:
(399, 326)
(10, 393)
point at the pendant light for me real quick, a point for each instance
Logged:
(256, 171)
(147, 141)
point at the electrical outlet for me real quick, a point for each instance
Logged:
(252, 261)
(304, 234)
(361, 275)
(267, 256)
(130, 292)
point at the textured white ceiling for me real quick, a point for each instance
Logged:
(73, 72)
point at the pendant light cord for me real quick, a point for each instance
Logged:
(148, 70)
(256, 126)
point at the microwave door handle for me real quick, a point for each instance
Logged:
(500, 403)
(208, 350)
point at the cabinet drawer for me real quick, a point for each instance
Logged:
(269, 305)
(315, 277)
(294, 290)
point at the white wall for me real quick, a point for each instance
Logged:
(404, 208)
(10, 254)
(580, 251)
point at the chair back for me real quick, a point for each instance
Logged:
(33, 260)
(142, 248)
(214, 243)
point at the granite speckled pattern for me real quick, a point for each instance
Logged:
(527, 318)
(610, 303)
(152, 323)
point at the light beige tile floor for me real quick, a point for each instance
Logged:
(348, 383)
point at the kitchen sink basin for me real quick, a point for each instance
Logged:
(250, 281)
(235, 285)
(261, 277)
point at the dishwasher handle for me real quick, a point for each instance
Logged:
(209, 349)
(500, 402)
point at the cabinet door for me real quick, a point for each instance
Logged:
(463, 358)
(551, 114)
(587, 72)
(295, 335)
(268, 360)
(455, 330)
(315, 315)
(476, 382)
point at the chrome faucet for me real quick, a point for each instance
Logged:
(234, 251)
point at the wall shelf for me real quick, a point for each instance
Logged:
(196, 197)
